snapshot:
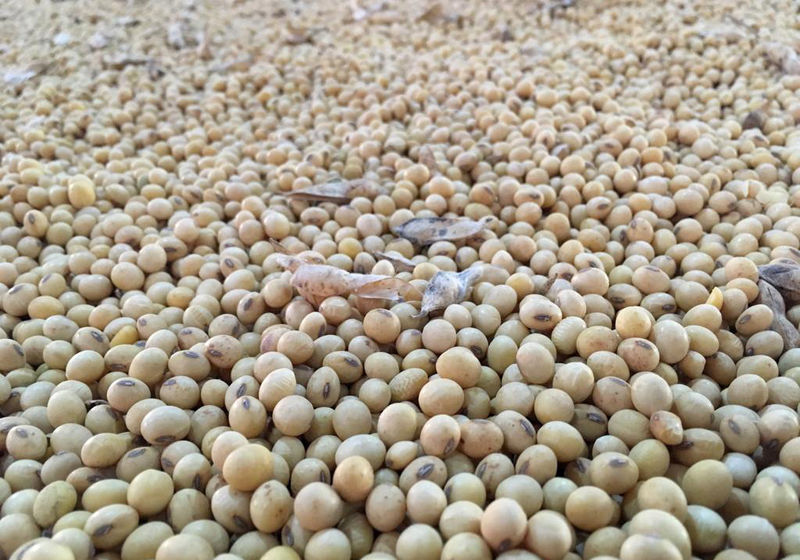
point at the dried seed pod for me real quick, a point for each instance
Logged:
(754, 119)
(425, 231)
(428, 159)
(316, 282)
(784, 56)
(373, 286)
(770, 297)
(447, 288)
(401, 264)
(339, 192)
(785, 276)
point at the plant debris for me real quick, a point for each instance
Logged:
(785, 276)
(62, 39)
(238, 64)
(98, 41)
(298, 38)
(376, 286)
(308, 257)
(316, 282)
(204, 45)
(730, 33)
(120, 61)
(446, 288)
(127, 21)
(175, 36)
(424, 231)
(754, 119)
(770, 297)
(337, 191)
(783, 56)
(504, 33)
(434, 13)
(18, 76)
(427, 158)
(399, 262)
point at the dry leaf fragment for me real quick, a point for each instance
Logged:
(337, 191)
(424, 231)
(785, 276)
(398, 261)
(770, 297)
(447, 288)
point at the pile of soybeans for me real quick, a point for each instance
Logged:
(420, 280)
